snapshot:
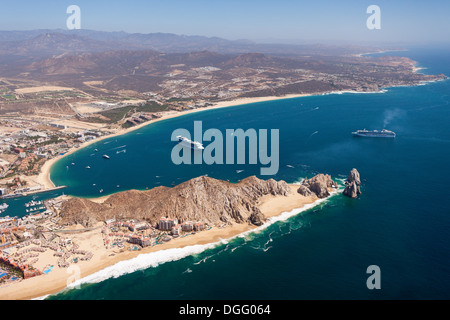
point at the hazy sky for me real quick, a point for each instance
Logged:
(284, 20)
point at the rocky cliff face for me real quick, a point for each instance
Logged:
(317, 185)
(353, 182)
(200, 199)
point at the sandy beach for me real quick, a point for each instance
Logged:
(59, 278)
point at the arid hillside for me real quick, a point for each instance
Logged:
(200, 199)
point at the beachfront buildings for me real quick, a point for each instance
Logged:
(26, 270)
(199, 226)
(188, 226)
(166, 224)
(140, 240)
(176, 230)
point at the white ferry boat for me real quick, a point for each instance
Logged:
(185, 142)
(3, 207)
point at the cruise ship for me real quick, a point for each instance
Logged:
(374, 133)
(185, 142)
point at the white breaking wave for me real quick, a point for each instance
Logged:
(118, 147)
(299, 181)
(153, 259)
(342, 92)
(143, 261)
(286, 215)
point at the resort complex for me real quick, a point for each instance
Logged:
(37, 243)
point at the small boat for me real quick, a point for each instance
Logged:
(87, 167)
(105, 156)
(95, 150)
(101, 190)
(33, 203)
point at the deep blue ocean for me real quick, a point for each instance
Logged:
(401, 222)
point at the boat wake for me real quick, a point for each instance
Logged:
(118, 147)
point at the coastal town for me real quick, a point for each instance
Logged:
(26, 145)
(36, 244)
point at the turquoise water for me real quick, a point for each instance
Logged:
(401, 222)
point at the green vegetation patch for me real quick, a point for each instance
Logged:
(118, 114)
(9, 97)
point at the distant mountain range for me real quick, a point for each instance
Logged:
(113, 65)
(38, 44)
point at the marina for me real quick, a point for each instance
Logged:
(30, 193)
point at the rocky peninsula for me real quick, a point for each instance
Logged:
(93, 234)
(212, 201)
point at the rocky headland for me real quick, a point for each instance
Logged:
(206, 199)
(318, 185)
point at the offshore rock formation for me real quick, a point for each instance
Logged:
(317, 185)
(200, 199)
(353, 182)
